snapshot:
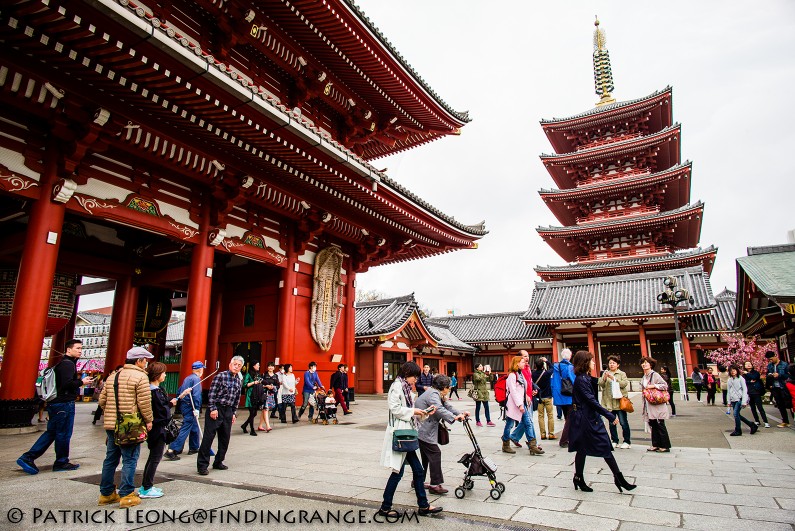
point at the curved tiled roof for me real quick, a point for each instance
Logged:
(619, 296)
(461, 115)
(609, 107)
(446, 338)
(492, 327)
(721, 318)
(626, 262)
(374, 318)
(477, 230)
(622, 146)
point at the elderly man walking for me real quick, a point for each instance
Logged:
(190, 422)
(222, 405)
(127, 388)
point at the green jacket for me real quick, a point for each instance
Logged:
(247, 380)
(481, 382)
(610, 403)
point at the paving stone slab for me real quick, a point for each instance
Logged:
(769, 515)
(727, 499)
(571, 521)
(598, 496)
(786, 503)
(700, 522)
(646, 516)
(686, 506)
(637, 526)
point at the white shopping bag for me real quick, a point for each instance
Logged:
(616, 390)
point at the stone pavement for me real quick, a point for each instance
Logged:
(709, 481)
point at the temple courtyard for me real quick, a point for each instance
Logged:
(329, 477)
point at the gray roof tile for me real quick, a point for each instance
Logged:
(614, 296)
(374, 318)
(492, 327)
(446, 338)
(721, 318)
(624, 262)
(609, 107)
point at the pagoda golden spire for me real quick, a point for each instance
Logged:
(602, 73)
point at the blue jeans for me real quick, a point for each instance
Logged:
(624, 421)
(485, 409)
(417, 481)
(523, 426)
(129, 459)
(737, 407)
(59, 431)
(190, 427)
(307, 404)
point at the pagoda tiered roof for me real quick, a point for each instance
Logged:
(663, 146)
(687, 220)
(612, 297)
(635, 264)
(566, 202)
(657, 105)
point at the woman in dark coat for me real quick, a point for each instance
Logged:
(587, 433)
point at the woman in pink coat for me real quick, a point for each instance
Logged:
(516, 407)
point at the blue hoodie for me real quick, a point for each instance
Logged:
(311, 380)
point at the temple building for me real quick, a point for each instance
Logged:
(622, 199)
(208, 156)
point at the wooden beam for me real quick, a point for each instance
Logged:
(96, 287)
(166, 276)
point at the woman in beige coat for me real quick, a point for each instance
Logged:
(614, 374)
(400, 401)
(655, 414)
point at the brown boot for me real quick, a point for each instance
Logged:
(533, 447)
(131, 500)
(506, 447)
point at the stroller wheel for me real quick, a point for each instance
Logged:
(469, 484)
(495, 494)
(459, 493)
(500, 487)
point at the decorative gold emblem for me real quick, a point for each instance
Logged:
(254, 30)
(327, 89)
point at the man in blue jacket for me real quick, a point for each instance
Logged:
(563, 370)
(311, 383)
(190, 424)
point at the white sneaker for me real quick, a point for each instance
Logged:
(767, 425)
(625, 446)
(615, 445)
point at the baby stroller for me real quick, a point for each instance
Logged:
(326, 407)
(477, 465)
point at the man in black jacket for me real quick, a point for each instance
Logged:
(339, 385)
(61, 411)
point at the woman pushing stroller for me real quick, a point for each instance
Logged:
(436, 396)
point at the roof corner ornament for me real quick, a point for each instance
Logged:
(603, 75)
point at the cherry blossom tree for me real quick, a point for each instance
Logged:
(740, 349)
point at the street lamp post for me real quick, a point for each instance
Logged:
(673, 296)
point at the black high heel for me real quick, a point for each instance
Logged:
(579, 483)
(621, 482)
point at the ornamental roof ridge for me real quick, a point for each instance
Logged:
(461, 115)
(726, 294)
(622, 262)
(609, 107)
(696, 269)
(385, 302)
(478, 229)
(622, 221)
(473, 315)
(619, 181)
(446, 337)
(607, 148)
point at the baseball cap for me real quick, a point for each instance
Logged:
(197, 365)
(137, 353)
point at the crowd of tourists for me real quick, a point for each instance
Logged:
(420, 402)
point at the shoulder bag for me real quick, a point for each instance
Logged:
(130, 428)
(566, 385)
(404, 440)
(444, 434)
(655, 396)
(171, 430)
(625, 404)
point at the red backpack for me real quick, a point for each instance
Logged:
(501, 390)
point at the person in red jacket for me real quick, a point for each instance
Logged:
(791, 387)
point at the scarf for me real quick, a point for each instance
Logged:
(407, 392)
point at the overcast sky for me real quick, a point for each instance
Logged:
(510, 64)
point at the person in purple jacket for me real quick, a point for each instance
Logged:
(311, 383)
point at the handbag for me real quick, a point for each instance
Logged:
(404, 440)
(171, 431)
(130, 428)
(566, 385)
(625, 404)
(472, 393)
(443, 434)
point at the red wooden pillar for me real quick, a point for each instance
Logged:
(378, 369)
(592, 349)
(214, 331)
(285, 334)
(200, 284)
(34, 285)
(554, 344)
(122, 323)
(690, 361)
(349, 356)
(644, 348)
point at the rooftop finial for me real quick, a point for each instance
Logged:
(603, 75)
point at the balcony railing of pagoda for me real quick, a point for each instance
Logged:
(619, 213)
(597, 256)
(608, 140)
(612, 174)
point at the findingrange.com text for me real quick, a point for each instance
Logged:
(206, 516)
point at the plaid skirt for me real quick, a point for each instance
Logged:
(270, 401)
(288, 399)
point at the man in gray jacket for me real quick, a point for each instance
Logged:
(436, 396)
